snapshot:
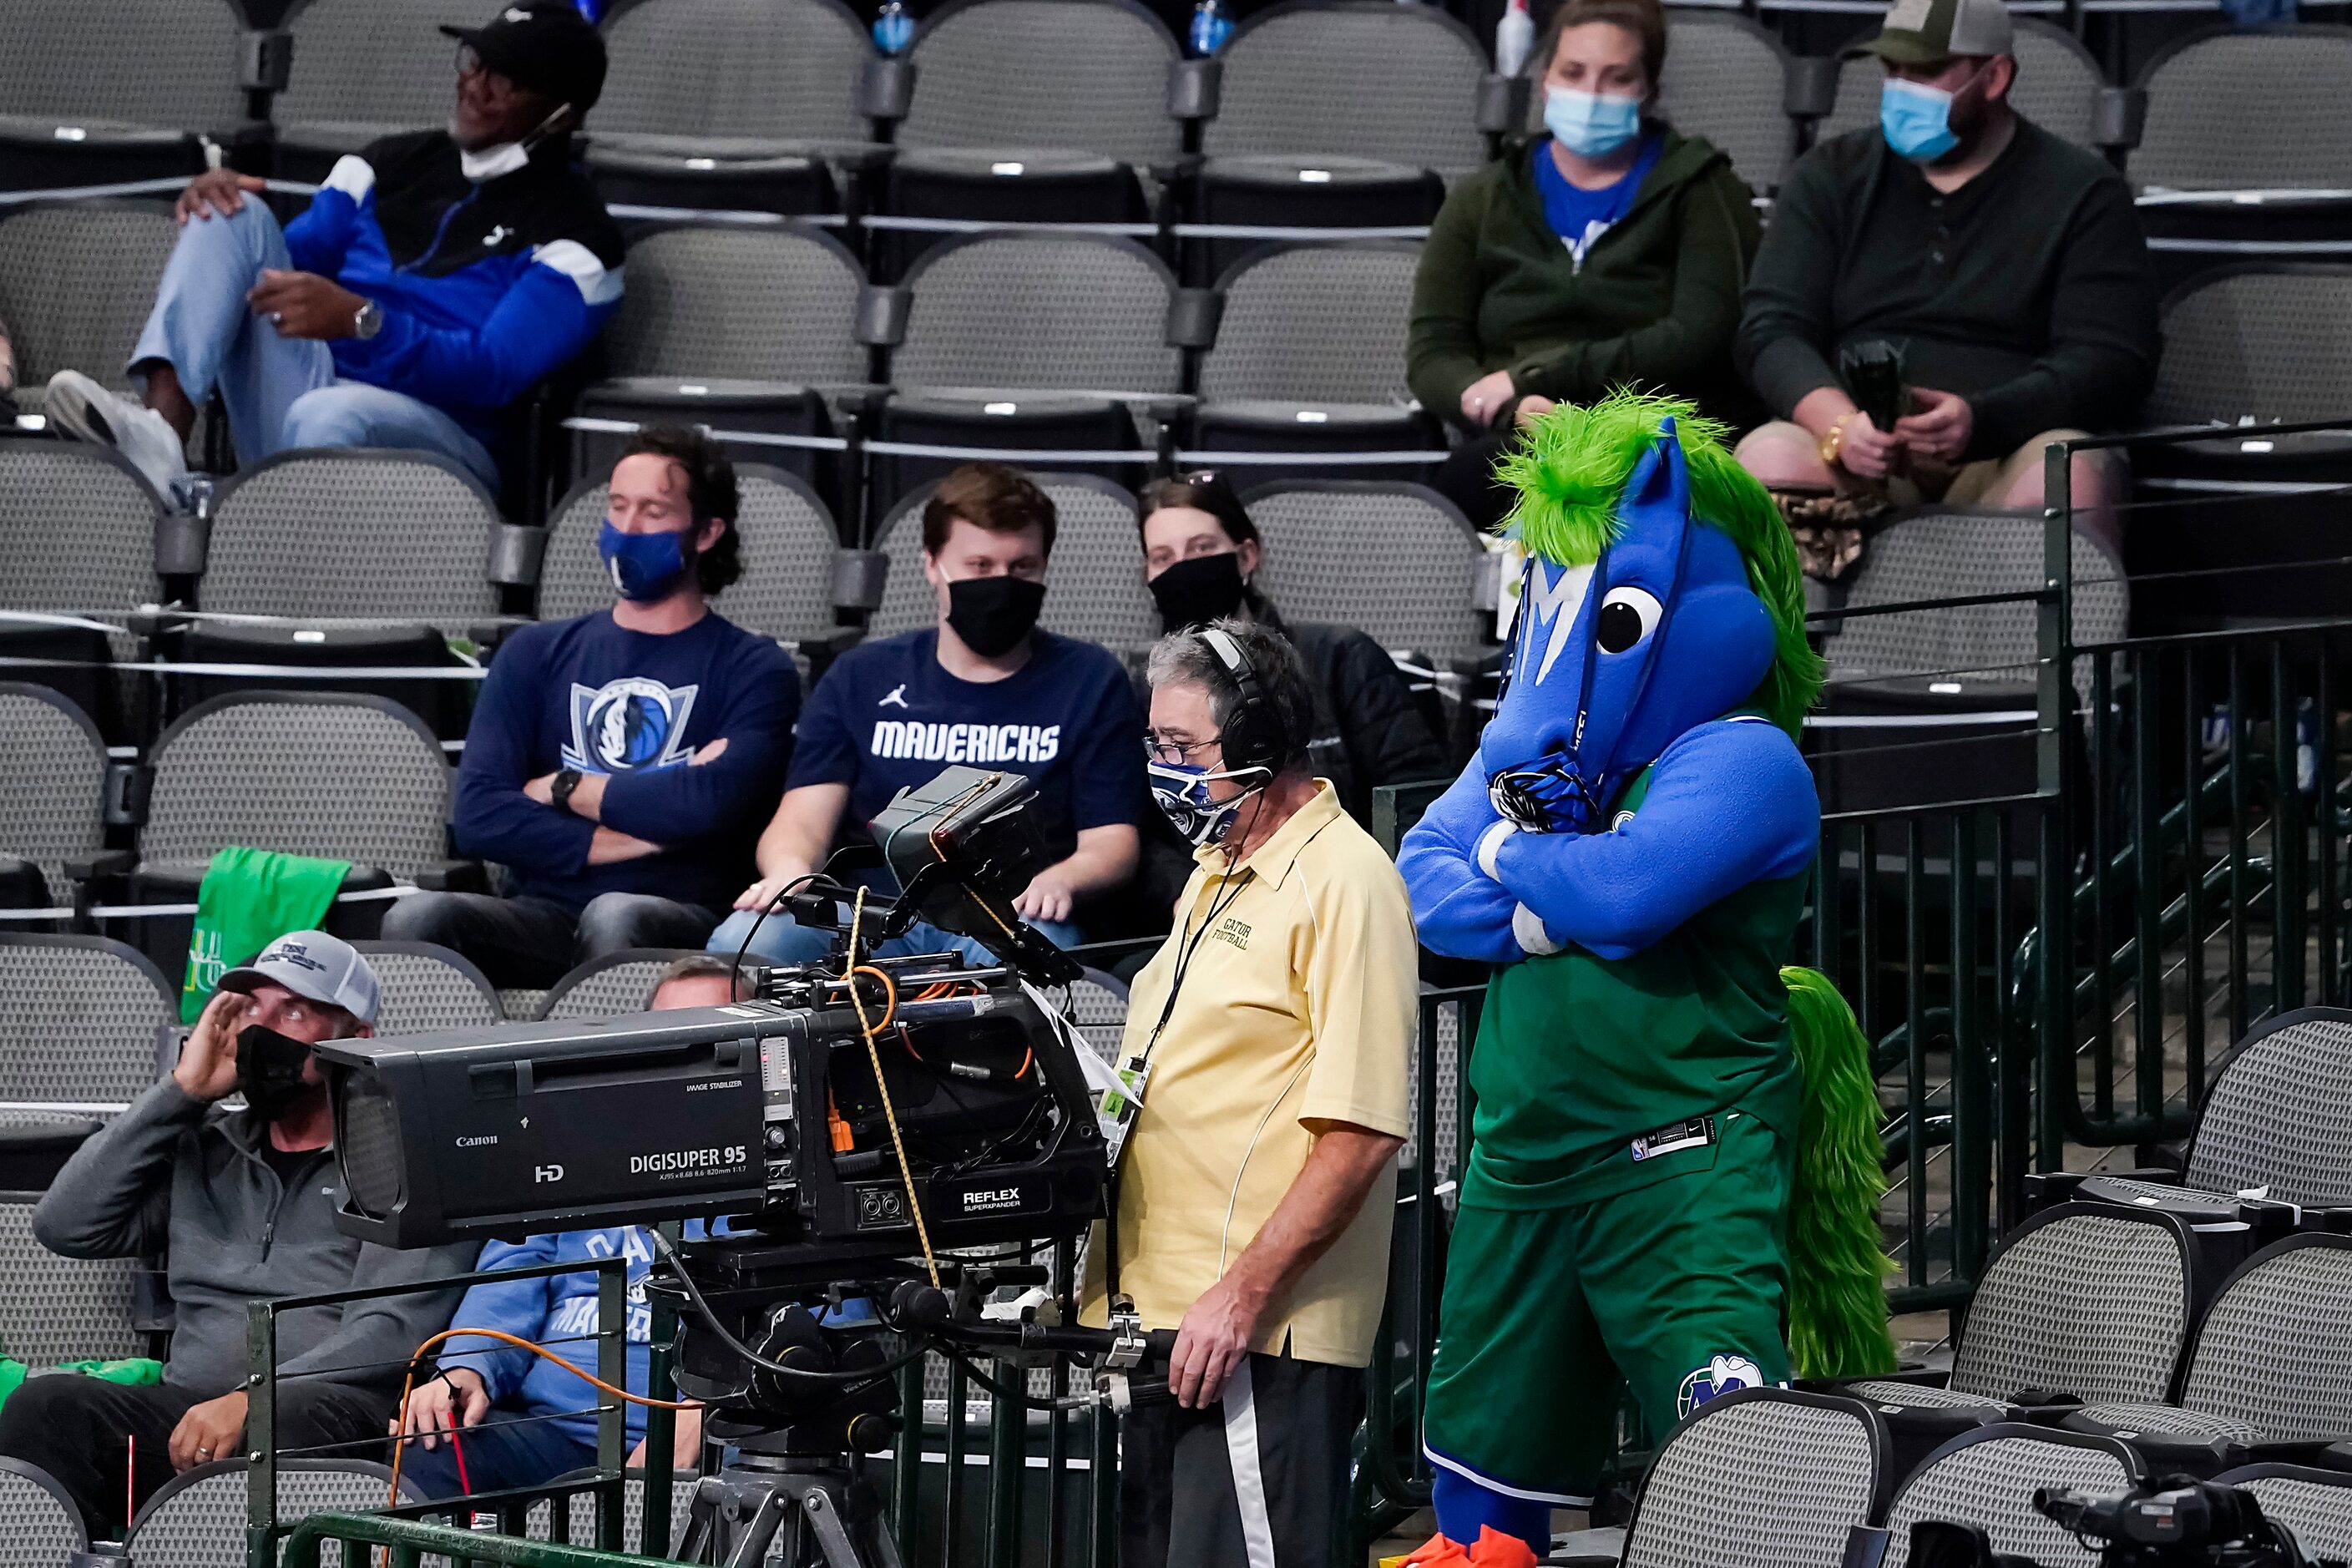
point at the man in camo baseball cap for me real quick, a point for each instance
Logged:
(1926, 31)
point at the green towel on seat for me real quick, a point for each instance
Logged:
(136, 1372)
(248, 898)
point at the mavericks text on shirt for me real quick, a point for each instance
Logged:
(917, 741)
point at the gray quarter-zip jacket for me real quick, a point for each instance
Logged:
(178, 1175)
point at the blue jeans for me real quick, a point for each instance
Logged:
(280, 392)
(505, 1450)
(783, 939)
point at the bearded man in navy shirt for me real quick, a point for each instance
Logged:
(982, 687)
(618, 762)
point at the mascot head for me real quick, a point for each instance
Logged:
(1661, 592)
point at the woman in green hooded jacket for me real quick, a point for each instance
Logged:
(1609, 251)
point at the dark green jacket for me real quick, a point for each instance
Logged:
(1654, 304)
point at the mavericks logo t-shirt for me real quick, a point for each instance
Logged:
(887, 715)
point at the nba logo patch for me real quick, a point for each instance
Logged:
(1722, 1375)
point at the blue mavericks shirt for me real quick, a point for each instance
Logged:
(886, 716)
(635, 707)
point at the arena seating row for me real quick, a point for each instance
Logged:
(1770, 1478)
(1061, 342)
(1316, 113)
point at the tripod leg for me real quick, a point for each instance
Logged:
(821, 1510)
(759, 1532)
(698, 1544)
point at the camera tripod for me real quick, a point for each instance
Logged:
(828, 1518)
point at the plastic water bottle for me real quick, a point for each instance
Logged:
(1514, 35)
(893, 28)
(1211, 27)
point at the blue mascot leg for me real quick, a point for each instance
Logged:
(1463, 1505)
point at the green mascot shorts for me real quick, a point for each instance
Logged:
(1675, 1283)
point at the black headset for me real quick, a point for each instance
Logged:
(1254, 735)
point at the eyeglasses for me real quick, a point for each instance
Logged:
(1174, 752)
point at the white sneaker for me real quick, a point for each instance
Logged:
(88, 412)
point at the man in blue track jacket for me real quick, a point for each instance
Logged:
(437, 276)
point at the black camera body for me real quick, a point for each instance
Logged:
(2171, 1523)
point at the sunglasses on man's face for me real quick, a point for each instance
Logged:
(470, 63)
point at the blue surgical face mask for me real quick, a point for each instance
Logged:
(1182, 793)
(644, 567)
(1590, 124)
(1916, 121)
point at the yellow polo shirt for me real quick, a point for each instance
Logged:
(1296, 1011)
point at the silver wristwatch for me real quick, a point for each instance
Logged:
(369, 322)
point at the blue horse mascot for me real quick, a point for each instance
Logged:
(1674, 1178)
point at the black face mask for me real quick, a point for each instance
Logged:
(993, 614)
(270, 1071)
(1195, 592)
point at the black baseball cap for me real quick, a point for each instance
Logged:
(542, 46)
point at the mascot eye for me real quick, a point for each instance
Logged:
(1627, 615)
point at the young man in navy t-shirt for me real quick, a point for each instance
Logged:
(617, 761)
(982, 687)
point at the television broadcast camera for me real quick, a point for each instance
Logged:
(2175, 1522)
(854, 1120)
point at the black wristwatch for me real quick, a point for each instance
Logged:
(560, 792)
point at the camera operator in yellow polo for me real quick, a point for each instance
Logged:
(1674, 1172)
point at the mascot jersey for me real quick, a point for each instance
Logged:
(1632, 846)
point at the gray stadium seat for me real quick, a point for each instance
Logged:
(789, 545)
(354, 533)
(1987, 1478)
(2081, 1300)
(608, 987)
(1760, 1479)
(2273, 1360)
(1950, 554)
(2199, 133)
(1366, 77)
(428, 988)
(1098, 1011)
(79, 524)
(79, 1018)
(2259, 343)
(131, 88)
(1039, 313)
(539, 1523)
(774, 71)
(77, 284)
(1395, 560)
(2058, 86)
(1094, 584)
(2316, 1505)
(2279, 1113)
(49, 796)
(1314, 323)
(1107, 61)
(365, 69)
(1725, 79)
(40, 1524)
(59, 1309)
(776, 305)
(274, 770)
(198, 1518)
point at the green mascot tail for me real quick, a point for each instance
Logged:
(1838, 1266)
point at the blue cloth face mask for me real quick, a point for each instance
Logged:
(1916, 121)
(1590, 124)
(644, 567)
(1182, 792)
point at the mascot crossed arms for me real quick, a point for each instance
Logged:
(1674, 1170)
